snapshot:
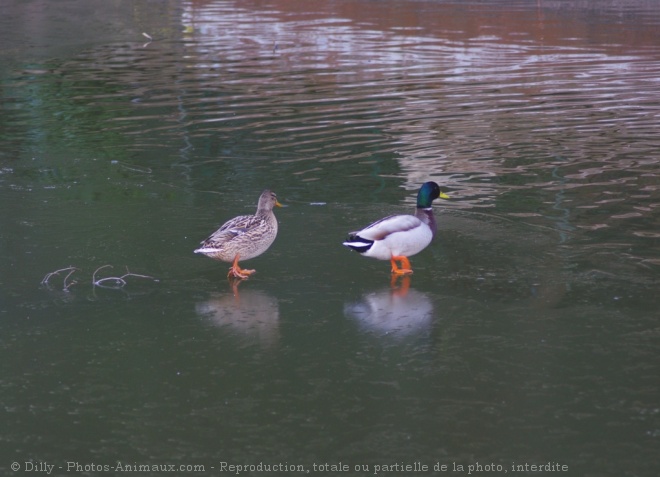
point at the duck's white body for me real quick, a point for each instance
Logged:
(396, 235)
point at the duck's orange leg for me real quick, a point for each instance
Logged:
(405, 269)
(238, 272)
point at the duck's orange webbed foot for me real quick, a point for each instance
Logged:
(405, 269)
(238, 272)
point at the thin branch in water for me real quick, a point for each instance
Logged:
(148, 37)
(95, 271)
(71, 269)
(117, 282)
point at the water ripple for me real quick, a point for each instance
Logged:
(501, 122)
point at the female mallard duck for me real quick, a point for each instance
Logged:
(397, 237)
(244, 237)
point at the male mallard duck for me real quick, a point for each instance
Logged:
(397, 237)
(244, 237)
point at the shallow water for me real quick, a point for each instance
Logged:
(527, 334)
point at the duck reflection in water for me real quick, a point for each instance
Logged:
(398, 311)
(253, 314)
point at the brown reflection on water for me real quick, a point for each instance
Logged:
(249, 314)
(629, 27)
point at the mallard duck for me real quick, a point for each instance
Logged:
(397, 237)
(244, 237)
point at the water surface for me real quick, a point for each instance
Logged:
(528, 332)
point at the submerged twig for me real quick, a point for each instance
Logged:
(71, 269)
(105, 282)
(148, 37)
(119, 282)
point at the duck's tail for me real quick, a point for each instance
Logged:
(358, 243)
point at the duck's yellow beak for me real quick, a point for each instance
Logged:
(443, 195)
(277, 203)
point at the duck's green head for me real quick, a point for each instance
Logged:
(428, 193)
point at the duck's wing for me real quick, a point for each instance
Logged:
(234, 228)
(386, 226)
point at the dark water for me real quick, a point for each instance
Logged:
(528, 333)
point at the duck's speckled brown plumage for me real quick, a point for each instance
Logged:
(244, 237)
